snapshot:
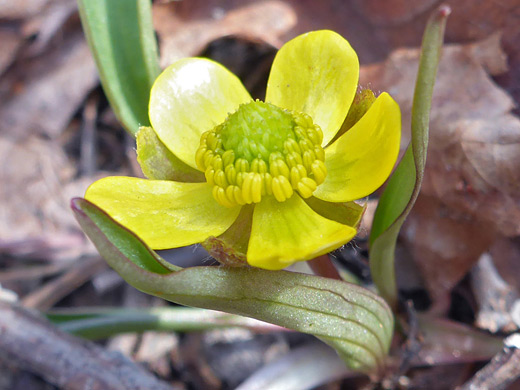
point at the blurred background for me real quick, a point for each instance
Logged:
(58, 134)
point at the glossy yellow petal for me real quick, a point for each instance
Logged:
(361, 160)
(165, 214)
(315, 73)
(191, 96)
(285, 232)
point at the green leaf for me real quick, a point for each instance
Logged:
(99, 323)
(121, 37)
(351, 319)
(404, 185)
(130, 247)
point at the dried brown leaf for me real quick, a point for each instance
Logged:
(11, 41)
(37, 183)
(50, 92)
(186, 28)
(21, 9)
(443, 244)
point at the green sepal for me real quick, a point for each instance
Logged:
(158, 163)
(351, 319)
(347, 213)
(362, 102)
(230, 248)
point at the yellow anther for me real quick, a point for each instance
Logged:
(302, 170)
(319, 171)
(240, 179)
(228, 158)
(216, 163)
(245, 161)
(305, 145)
(246, 187)
(220, 196)
(268, 184)
(306, 187)
(297, 157)
(212, 141)
(199, 157)
(278, 193)
(295, 177)
(319, 153)
(208, 157)
(279, 168)
(291, 161)
(220, 179)
(292, 146)
(230, 194)
(262, 167)
(209, 174)
(258, 166)
(231, 174)
(308, 159)
(256, 188)
(237, 192)
(286, 186)
(242, 165)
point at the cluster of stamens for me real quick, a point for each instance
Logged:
(262, 150)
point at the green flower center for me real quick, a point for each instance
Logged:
(262, 150)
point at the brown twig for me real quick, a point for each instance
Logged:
(88, 137)
(50, 293)
(30, 343)
(34, 272)
(501, 371)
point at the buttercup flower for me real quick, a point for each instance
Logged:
(270, 183)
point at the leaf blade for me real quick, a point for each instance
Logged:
(351, 319)
(404, 186)
(121, 37)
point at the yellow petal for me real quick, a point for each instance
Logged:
(290, 231)
(361, 160)
(165, 214)
(315, 73)
(192, 96)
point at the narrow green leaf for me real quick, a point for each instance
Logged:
(351, 319)
(99, 323)
(121, 37)
(404, 185)
(130, 246)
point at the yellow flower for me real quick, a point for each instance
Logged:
(273, 182)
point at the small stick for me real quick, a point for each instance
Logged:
(30, 343)
(501, 371)
(50, 293)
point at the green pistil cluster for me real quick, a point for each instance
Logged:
(262, 150)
